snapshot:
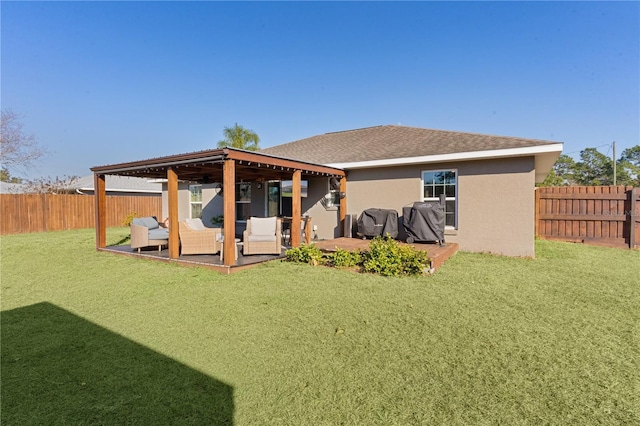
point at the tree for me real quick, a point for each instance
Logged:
(18, 149)
(630, 163)
(5, 176)
(239, 137)
(595, 168)
(562, 172)
(64, 185)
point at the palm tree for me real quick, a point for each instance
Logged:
(239, 137)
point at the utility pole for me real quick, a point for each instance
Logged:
(614, 163)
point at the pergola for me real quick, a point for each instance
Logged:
(226, 165)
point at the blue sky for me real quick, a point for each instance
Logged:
(108, 82)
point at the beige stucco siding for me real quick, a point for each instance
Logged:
(495, 203)
(496, 206)
(495, 200)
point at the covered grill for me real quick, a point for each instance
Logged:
(378, 222)
(424, 221)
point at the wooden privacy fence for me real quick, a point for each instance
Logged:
(24, 213)
(604, 215)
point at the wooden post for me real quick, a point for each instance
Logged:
(307, 232)
(174, 235)
(536, 215)
(343, 205)
(634, 215)
(229, 202)
(100, 197)
(296, 209)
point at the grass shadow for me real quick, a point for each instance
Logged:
(121, 241)
(58, 368)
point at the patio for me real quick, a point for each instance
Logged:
(228, 166)
(437, 254)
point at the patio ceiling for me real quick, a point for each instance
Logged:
(206, 166)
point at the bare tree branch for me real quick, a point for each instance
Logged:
(17, 148)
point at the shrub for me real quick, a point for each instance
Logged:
(345, 258)
(306, 253)
(217, 220)
(388, 258)
(129, 218)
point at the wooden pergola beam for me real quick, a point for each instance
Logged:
(100, 197)
(296, 208)
(282, 163)
(343, 205)
(229, 203)
(172, 192)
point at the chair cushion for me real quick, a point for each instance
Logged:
(263, 226)
(262, 238)
(148, 222)
(158, 234)
(195, 224)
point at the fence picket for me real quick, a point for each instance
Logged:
(605, 215)
(26, 213)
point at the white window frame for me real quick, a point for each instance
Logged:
(454, 199)
(192, 203)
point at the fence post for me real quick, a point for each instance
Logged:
(633, 216)
(536, 215)
(45, 225)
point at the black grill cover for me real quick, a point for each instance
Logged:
(424, 221)
(375, 222)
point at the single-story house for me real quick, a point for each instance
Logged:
(488, 182)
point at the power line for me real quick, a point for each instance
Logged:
(599, 146)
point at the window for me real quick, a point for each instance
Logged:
(287, 188)
(243, 201)
(195, 194)
(445, 182)
(273, 198)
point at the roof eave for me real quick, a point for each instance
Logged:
(545, 155)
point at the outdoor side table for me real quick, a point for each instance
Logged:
(237, 241)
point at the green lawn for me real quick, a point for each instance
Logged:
(95, 338)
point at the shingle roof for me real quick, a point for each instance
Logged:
(393, 142)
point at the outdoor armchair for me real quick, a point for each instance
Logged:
(146, 232)
(195, 238)
(262, 236)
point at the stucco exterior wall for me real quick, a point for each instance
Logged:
(495, 200)
(326, 220)
(496, 207)
(211, 202)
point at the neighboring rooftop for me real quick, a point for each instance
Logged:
(11, 188)
(389, 142)
(116, 183)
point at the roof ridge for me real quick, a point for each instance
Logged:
(355, 130)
